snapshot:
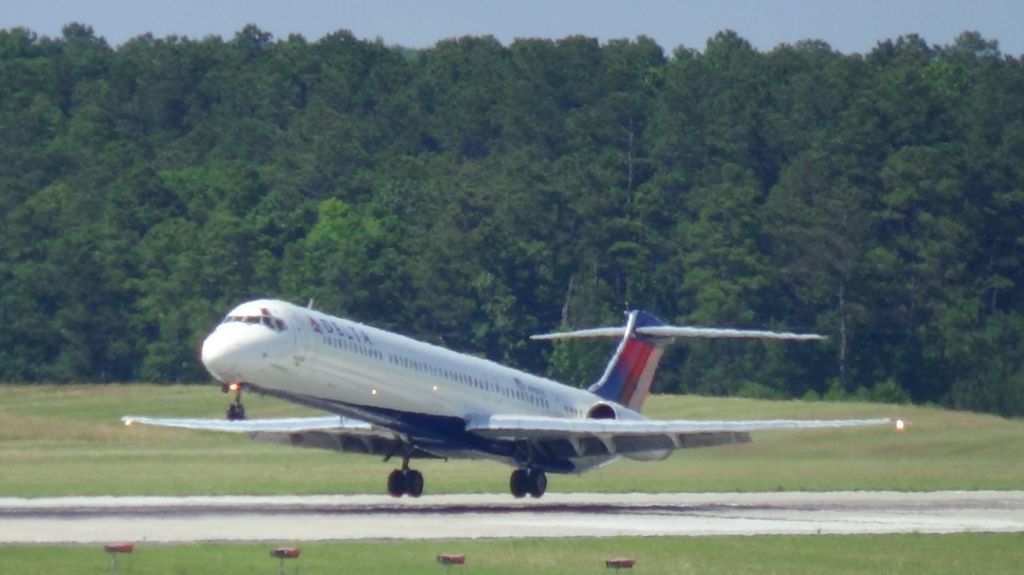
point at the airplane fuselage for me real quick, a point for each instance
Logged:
(423, 392)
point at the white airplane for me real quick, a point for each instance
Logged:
(397, 397)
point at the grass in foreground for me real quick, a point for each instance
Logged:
(68, 440)
(897, 554)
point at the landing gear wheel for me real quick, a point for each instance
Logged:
(413, 483)
(236, 412)
(519, 483)
(396, 483)
(538, 482)
(532, 481)
(405, 482)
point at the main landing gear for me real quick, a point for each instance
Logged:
(532, 481)
(409, 482)
(405, 481)
(236, 411)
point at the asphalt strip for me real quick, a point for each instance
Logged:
(358, 517)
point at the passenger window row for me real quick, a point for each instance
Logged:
(466, 380)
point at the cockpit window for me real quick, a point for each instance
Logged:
(265, 318)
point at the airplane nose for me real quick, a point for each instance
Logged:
(236, 350)
(218, 354)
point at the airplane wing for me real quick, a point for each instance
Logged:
(289, 424)
(557, 437)
(329, 432)
(583, 437)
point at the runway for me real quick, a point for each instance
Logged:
(327, 518)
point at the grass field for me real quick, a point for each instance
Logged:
(897, 554)
(68, 440)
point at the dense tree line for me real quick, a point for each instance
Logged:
(474, 193)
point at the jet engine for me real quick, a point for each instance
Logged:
(606, 410)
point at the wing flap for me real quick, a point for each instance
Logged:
(586, 437)
(365, 442)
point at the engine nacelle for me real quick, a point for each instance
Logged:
(602, 411)
(605, 410)
(611, 410)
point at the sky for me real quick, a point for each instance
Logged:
(848, 26)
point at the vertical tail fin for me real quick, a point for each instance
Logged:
(628, 377)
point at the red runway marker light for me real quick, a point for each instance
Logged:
(285, 553)
(619, 563)
(451, 559)
(115, 549)
(119, 547)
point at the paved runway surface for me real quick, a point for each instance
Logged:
(315, 518)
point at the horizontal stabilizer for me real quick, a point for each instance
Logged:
(680, 331)
(715, 332)
(616, 332)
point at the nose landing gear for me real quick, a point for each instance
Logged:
(236, 411)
